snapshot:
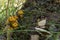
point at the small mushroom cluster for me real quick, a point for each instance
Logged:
(12, 21)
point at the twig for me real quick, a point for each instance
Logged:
(9, 34)
(8, 31)
(7, 9)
